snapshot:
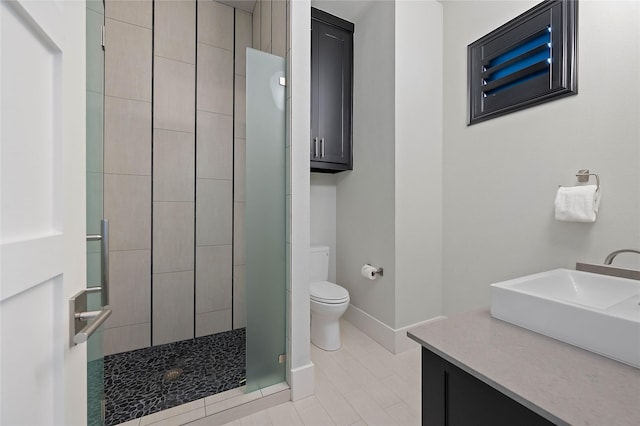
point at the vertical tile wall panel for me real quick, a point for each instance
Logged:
(173, 166)
(173, 237)
(256, 22)
(172, 307)
(128, 61)
(127, 206)
(214, 136)
(173, 95)
(246, 34)
(214, 271)
(174, 162)
(127, 133)
(127, 168)
(174, 30)
(214, 208)
(239, 155)
(127, 338)
(265, 25)
(240, 114)
(215, 24)
(244, 39)
(239, 253)
(137, 12)
(213, 322)
(215, 79)
(215, 172)
(130, 287)
(279, 27)
(239, 305)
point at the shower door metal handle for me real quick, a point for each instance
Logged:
(84, 323)
(103, 237)
(104, 260)
(97, 317)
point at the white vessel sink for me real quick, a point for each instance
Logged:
(596, 312)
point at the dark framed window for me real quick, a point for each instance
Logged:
(529, 60)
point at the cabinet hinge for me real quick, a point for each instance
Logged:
(102, 36)
(282, 358)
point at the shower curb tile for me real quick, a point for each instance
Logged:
(172, 412)
(224, 395)
(232, 402)
(182, 419)
(134, 422)
(278, 387)
(244, 410)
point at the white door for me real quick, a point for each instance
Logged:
(42, 210)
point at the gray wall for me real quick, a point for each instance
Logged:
(418, 161)
(497, 179)
(501, 176)
(323, 215)
(365, 218)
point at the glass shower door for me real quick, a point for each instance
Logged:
(95, 189)
(265, 220)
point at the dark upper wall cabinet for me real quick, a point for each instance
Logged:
(331, 92)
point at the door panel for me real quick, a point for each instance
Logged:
(42, 210)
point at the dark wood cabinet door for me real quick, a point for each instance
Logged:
(331, 93)
(453, 397)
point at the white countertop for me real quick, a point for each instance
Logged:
(562, 383)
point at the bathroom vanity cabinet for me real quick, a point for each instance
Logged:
(331, 92)
(451, 396)
(478, 370)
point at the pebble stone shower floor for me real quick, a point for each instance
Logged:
(149, 380)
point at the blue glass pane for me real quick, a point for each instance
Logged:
(544, 37)
(543, 55)
(515, 83)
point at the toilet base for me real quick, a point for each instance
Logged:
(325, 333)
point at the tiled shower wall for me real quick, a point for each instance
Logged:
(173, 192)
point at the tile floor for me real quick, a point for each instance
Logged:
(360, 384)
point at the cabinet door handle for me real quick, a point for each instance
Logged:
(315, 147)
(322, 147)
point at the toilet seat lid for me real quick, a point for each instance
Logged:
(327, 292)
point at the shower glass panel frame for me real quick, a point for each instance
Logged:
(265, 220)
(95, 204)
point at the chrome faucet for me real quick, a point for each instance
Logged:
(612, 255)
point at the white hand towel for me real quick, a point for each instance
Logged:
(577, 203)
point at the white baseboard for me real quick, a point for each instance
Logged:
(394, 340)
(302, 381)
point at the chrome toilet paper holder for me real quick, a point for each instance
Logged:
(379, 271)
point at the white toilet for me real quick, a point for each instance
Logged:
(328, 302)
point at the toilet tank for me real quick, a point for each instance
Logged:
(319, 264)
